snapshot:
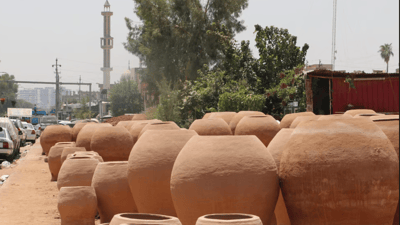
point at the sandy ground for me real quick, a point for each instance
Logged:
(28, 196)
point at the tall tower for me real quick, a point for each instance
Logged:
(107, 43)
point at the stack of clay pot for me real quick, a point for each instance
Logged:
(54, 158)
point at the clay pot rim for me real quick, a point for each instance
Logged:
(370, 114)
(80, 157)
(384, 119)
(77, 187)
(145, 217)
(65, 143)
(228, 217)
(113, 163)
(256, 116)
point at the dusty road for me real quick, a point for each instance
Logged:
(28, 196)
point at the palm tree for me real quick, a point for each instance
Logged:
(386, 52)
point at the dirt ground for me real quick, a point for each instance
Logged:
(28, 196)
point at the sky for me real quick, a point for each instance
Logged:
(34, 33)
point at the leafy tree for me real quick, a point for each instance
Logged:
(83, 112)
(175, 39)
(8, 91)
(240, 101)
(168, 107)
(386, 52)
(24, 104)
(125, 98)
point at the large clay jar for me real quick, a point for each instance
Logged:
(353, 112)
(139, 117)
(167, 125)
(126, 124)
(150, 166)
(112, 190)
(390, 126)
(85, 135)
(206, 116)
(236, 119)
(70, 150)
(77, 205)
(226, 116)
(112, 143)
(77, 171)
(209, 127)
(264, 127)
(136, 128)
(276, 147)
(339, 172)
(224, 174)
(77, 128)
(288, 118)
(143, 219)
(229, 218)
(54, 159)
(303, 118)
(54, 134)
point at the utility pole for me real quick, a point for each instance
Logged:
(57, 88)
(333, 57)
(79, 88)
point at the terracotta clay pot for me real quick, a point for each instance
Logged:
(224, 174)
(137, 128)
(206, 116)
(85, 135)
(264, 127)
(126, 124)
(336, 117)
(149, 169)
(303, 118)
(345, 170)
(143, 219)
(70, 150)
(112, 190)
(229, 218)
(236, 119)
(167, 125)
(276, 147)
(54, 159)
(90, 154)
(77, 128)
(139, 117)
(77, 205)
(112, 143)
(353, 112)
(209, 127)
(54, 134)
(77, 171)
(390, 126)
(288, 118)
(226, 116)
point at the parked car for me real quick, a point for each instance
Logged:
(10, 134)
(31, 133)
(20, 127)
(47, 121)
(38, 130)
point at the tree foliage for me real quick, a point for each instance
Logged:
(176, 38)
(168, 107)
(386, 52)
(125, 98)
(83, 112)
(8, 91)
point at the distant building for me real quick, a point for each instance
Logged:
(318, 67)
(397, 70)
(378, 71)
(43, 98)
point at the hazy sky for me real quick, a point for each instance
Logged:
(33, 33)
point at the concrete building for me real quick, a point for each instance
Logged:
(43, 98)
(107, 43)
(318, 67)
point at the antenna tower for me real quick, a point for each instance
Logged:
(333, 57)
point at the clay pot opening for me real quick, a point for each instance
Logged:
(385, 119)
(143, 216)
(80, 157)
(158, 123)
(228, 217)
(257, 116)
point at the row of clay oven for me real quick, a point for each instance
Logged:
(309, 169)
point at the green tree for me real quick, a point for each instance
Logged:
(125, 98)
(168, 107)
(386, 52)
(175, 39)
(8, 91)
(24, 104)
(83, 112)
